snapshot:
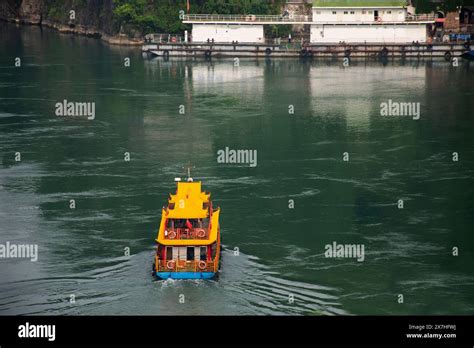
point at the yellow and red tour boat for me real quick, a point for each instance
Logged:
(189, 235)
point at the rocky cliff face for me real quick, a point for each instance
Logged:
(91, 17)
(8, 9)
(30, 11)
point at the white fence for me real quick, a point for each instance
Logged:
(244, 18)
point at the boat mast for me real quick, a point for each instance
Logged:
(190, 179)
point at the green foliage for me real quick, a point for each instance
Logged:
(56, 10)
(427, 6)
(163, 15)
(237, 7)
(55, 13)
(274, 31)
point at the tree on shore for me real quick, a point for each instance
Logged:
(163, 15)
(427, 6)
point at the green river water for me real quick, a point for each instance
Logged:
(281, 266)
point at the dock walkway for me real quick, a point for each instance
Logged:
(363, 50)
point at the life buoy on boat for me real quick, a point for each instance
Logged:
(268, 51)
(170, 264)
(447, 56)
(200, 233)
(171, 235)
(202, 265)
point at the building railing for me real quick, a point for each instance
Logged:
(281, 18)
(245, 18)
(420, 17)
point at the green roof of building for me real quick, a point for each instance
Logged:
(359, 3)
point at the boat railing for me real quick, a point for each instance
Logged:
(185, 265)
(218, 253)
(186, 233)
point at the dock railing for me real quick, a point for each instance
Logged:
(157, 38)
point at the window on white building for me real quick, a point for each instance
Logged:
(389, 12)
(364, 11)
(345, 12)
(352, 12)
(318, 12)
(334, 12)
(370, 12)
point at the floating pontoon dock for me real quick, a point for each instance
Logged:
(362, 50)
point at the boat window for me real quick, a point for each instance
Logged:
(182, 253)
(197, 253)
(203, 253)
(180, 223)
(169, 253)
(190, 254)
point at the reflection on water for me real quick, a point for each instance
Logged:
(337, 110)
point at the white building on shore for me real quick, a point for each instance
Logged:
(333, 21)
(372, 21)
(241, 28)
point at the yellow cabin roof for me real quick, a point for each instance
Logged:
(196, 242)
(188, 202)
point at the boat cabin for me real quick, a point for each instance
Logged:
(189, 235)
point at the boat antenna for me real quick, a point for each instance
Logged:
(190, 179)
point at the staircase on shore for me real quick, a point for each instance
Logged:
(300, 8)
